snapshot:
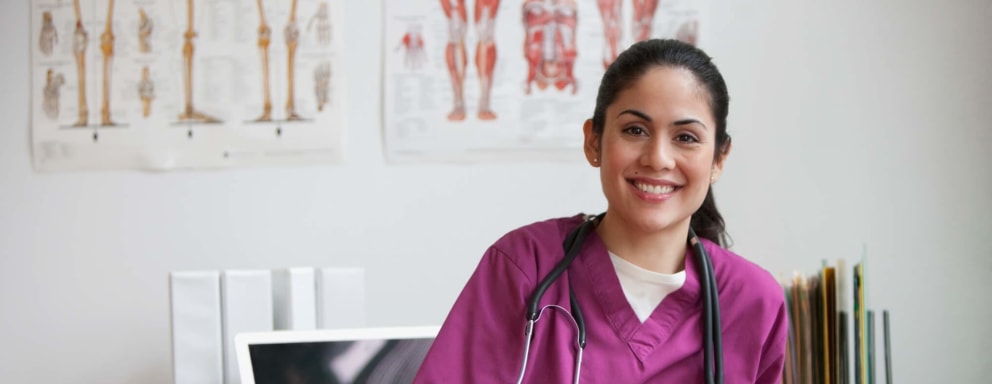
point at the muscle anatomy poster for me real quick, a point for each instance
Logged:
(477, 80)
(171, 84)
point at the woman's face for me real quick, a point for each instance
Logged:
(656, 151)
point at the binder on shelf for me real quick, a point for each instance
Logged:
(246, 304)
(294, 295)
(340, 298)
(197, 341)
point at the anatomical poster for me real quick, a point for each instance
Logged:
(497, 80)
(175, 84)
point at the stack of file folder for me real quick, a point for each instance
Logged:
(829, 320)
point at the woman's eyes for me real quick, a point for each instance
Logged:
(641, 131)
(635, 130)
(686, 138)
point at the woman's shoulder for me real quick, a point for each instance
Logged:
(531, 243)
(742, 277)
(538, 234)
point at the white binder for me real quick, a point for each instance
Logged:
(341, 298)
(294, 294)
(195, 309)
(247, 307)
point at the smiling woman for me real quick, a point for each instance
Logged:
(628, 286)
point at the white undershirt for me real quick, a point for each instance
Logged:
(645, 289)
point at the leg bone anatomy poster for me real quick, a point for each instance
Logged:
(172, 84)
(478, 80)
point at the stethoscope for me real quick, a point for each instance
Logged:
(712, 343)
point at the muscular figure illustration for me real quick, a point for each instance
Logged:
(49, 36)
(322, 83)
(146, 91)
(292, 35)
(323, 20)
(79, 41)
(641, 22)
(550, 43)
(643, 18)
(688, 32)
(609, 10)
(53, 81)
(107, 47)
(485, 53)
(454, 54)
(144, 31)
(413, 43)
(190, 114)
(264, 37)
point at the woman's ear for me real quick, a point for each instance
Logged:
(721, 158)
(591, 144)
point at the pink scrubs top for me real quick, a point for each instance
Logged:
(482, 339)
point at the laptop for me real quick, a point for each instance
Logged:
(362, 355)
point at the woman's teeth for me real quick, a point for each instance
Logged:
(655, 189)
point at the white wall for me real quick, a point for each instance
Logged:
(854, 122)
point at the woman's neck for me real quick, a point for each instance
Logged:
(659, 251)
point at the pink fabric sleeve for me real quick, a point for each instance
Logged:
(481, 341)
(773, 352)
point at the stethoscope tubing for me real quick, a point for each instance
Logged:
(713, 340)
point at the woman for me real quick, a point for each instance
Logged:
(659, 138)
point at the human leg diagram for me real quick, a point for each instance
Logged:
(643, 17)
(322, 83)
(49, 35)
(485, 53)
(264, 38)
(53, 81)
(454, 54)
(550, 46)
(79, 41)
(413, 43)
(610, 11)
(190, 114)
(322, 18)
(146, 91)
(292, 34)
(145, 26)
(107, 48)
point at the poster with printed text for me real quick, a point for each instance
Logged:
(491, 80)
(180, 84)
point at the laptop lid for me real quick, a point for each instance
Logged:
(362, 355)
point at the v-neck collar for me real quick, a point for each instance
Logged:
(642, 338)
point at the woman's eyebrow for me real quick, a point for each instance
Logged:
(635, 113)
(689, 121)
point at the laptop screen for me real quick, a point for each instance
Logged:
(391, 357)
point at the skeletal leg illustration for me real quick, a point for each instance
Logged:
(643, 18)
(146, 91)
(292, 34)
(79, 41)
(688, 32)
(323, 20)
(53, 81)
(455, 12)
(485, 53)
(49, 35)
(190, 113)
(322, 83)
(145, 26)
(264, 37)
(107, 47)
(610, 10)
